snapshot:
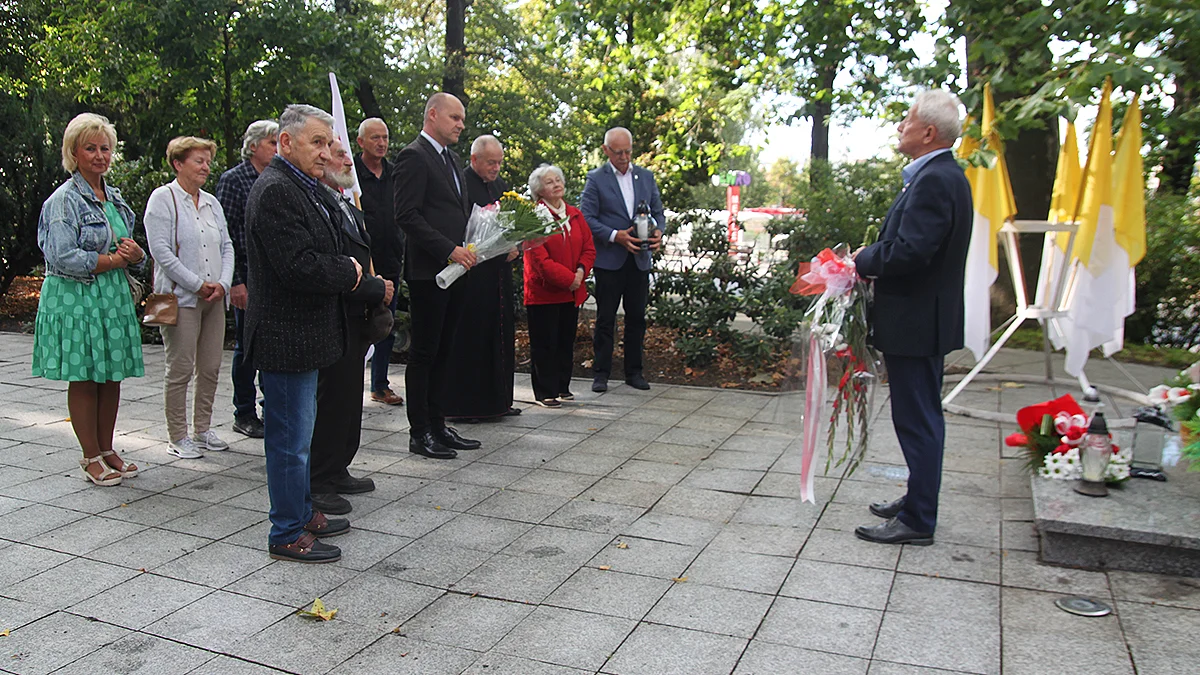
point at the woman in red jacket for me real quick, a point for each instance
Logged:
(554, 289)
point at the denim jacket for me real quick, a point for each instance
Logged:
(73, 231)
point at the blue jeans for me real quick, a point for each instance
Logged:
(382, 358)
(244, 395)
(289, 412)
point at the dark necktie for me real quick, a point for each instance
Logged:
(450, 171)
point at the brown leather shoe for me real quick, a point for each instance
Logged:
(306, 549)
(388, 397)
(321, 526)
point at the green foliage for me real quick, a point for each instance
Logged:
(840, 201)
(30, 169)
(701, 299)
(1168, 278)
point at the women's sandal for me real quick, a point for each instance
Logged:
(108, 478)
(549, 403)
(127, 470)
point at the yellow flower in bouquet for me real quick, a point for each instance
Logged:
(523, 219)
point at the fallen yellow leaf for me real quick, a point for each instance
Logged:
(318, 611)
(68, 419)
(622, 544)
(605, 568)
(679, 580)
(1013, 385)
(4, 633)
(437, 508)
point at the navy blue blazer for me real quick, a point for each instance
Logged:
(603, 207)
(918, 263)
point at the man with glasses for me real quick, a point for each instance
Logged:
(610, 198)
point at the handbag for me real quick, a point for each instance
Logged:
(162, 309)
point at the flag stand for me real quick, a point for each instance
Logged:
(1051, 304)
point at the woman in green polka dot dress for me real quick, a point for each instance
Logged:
(87, 331)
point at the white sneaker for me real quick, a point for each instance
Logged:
(184, 448)
(209, 440)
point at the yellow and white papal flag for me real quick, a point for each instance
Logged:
(1064, 207)
(992, 195)
(1113, 208)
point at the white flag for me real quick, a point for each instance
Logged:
(339, 130)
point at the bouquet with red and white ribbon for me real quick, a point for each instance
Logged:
(835, 330)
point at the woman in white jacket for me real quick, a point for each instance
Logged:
(193, 258)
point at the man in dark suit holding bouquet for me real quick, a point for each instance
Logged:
(431, 208)
(610, 197)
(917, 266)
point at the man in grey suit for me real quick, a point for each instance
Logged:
(610, 198)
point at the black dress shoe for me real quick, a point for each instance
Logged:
(512, 412)
(248, 426)
(893, 532)
(600, 385)
(427, 445)
(637, 382)
(353, 486)
(887, 509)
(448, 437)
(306, 549)
(320, 526)
(330, 502)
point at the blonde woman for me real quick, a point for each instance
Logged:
(193, 258)
(86, 331)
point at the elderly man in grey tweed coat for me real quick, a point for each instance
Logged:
(295, 323)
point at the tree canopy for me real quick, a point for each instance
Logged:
(689, 78)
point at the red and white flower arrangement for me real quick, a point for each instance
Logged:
(1052, 434)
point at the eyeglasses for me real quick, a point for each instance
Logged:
(620, 153)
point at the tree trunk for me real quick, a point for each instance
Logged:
(456, 49)
(821, 111)
(1183, 140)
(365, 93)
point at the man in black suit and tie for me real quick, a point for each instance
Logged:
(337, 431)
(432, 208)
(917, 266)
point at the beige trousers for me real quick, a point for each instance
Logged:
(193, 349)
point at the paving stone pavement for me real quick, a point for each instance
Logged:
(631, 533)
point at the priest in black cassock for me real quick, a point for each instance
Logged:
(484, 353)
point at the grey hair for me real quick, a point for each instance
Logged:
(362, 128)
(256, 133)
(608, 135)
(296, 115)
(535, 179)
(483, 141)
(939, 109)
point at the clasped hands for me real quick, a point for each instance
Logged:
(128, 253)
(628, 239)
(578, 280)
